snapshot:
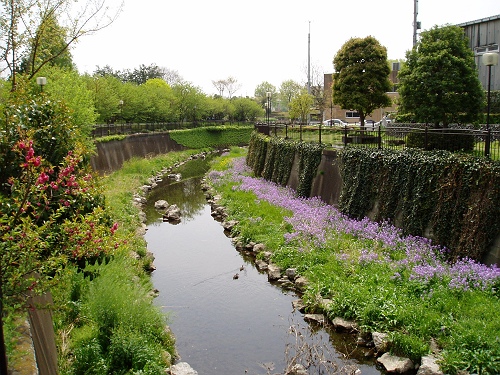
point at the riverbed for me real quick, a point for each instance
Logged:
(225, 324)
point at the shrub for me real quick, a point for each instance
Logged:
(436, 140)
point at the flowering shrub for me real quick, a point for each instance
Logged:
(50, 217)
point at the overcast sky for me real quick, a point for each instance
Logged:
(259, 40)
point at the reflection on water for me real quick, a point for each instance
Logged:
(222, 325)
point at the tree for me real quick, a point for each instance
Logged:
(232, 86)
(361, 76)
(105, 91)
(300, 106)
(439, 82)
(143, 73)
(48, 44)
(288, 90)
(261, 91)
(246, 109)
(220, 86)
(188, 99)
(159, 97)
(26, 26)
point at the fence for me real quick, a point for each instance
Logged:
(101, 130)
(480, 142)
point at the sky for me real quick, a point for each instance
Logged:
(261, 40)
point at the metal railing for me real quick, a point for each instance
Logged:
(480, 142)
(102, 130)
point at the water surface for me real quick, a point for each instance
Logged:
(224, 325)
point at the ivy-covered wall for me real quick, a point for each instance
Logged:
(453, 199)
(272, 158)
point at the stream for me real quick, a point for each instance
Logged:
(222, 325)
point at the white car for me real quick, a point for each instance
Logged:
(334, 122)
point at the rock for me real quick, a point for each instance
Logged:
(291, 273)
(273, 272)
(257, 248)
(316, 318)
(161, 204)
(345, 325)
(146, 188)
(429, 366)
(175, 176)
(381, 341)
(286, 283)
(301, 283)
(173, 213)
(298, 304)
(249, 246)
(229, 225)
(261, 265)
(267, 256)
(395, 364)
(239, 246)
(182, 368)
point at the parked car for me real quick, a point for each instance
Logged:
(334, 122)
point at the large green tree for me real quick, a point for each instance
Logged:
(439, 82)
(361, 76)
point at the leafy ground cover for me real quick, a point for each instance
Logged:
(373, 274)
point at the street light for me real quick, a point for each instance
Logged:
(42, 81)
(489, 59)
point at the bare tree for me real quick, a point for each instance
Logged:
(220, 86)
(22, 23)
(232, 86)
(172, 77)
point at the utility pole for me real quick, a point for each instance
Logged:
(416, 24)
(308, 70)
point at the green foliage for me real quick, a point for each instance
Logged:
(272, 158)
(361, 77)
(245, 109)
(279, 160)
(446, 194)
(127, 331)
(309, 159)
(437, 141)
(300, 106)
(212, 137)
(257, 152)
(439, 82)
(48, 47)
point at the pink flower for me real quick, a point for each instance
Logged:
(43, 178)
(114, 227)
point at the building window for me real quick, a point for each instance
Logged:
(351, 114)
(481, 50)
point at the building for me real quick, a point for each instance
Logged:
(484, 36)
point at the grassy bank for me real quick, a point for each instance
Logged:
(104, 317)
(371, 273)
